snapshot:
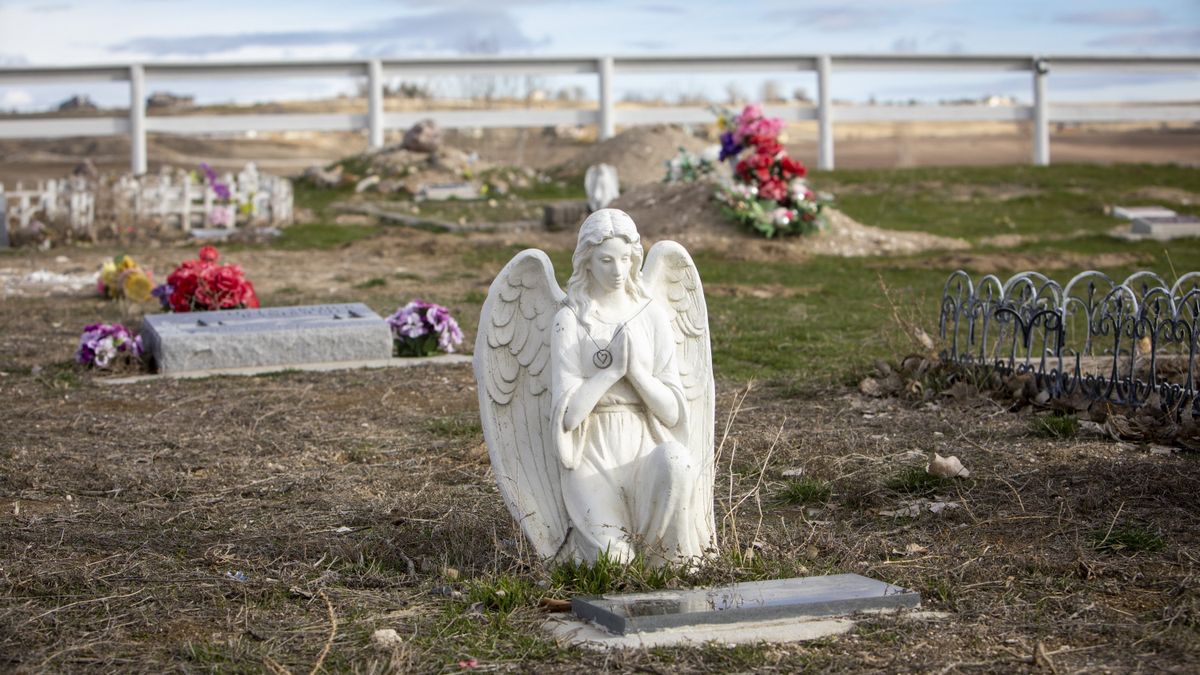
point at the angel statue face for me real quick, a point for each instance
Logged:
(608, 256)
(597, 403)
(609, 264)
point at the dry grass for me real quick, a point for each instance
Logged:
(131, 516)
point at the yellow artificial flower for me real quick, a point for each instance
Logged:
(108, 275)
(722, 123)
(127, 263)
(138, 286)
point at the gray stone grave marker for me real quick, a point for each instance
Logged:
(1135, 212)
(800, 598)
(440, 192)
(275, 336)
(1164, 228)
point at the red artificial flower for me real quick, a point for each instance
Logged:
(765, 145)
(209, 254)
(792, 168)
(773, 189)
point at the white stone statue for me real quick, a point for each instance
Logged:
(601, 185)
(597, 403)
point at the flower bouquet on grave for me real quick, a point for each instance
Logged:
(224, 212)
(104, 345)
(687, 167)
(123, 279)
(422, 328)
(201, 285)
(769, 193)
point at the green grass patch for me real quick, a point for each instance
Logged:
(1054, 426)
(1128, 538)
(976, 202)
(373, 282)
(806, 490)
(915, 481)
(503, 594)
(455, 428)
(608, 575)
(319, 236)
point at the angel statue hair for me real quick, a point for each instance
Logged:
(597, 403)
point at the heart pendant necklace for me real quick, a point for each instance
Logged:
(603, 357)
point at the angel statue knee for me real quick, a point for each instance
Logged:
(597, 403)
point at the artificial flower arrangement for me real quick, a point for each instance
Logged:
(103, 345)
(421, 328)
(201, 285)
(768, 193)
(222, 214)
(123, 278)
(687, 167)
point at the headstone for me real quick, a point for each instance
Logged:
(561, 215)
(275, 336)
(1173, 227)
(834, 595)
(602, 186)
(440, 192)
(1135, 212)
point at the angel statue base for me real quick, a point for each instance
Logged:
(597, 403)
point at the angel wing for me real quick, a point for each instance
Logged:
(512, 354)
(670, 277)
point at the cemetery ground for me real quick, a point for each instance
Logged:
(274, 523)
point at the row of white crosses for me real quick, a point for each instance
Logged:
(172, 198)
(54, 198)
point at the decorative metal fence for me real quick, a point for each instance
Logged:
(1130, 343)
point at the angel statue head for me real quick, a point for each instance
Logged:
(599, 228)
(597, 402)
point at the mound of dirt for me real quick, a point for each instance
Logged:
(638, 154)
(686, 213)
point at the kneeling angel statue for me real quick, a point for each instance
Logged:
(597, 403)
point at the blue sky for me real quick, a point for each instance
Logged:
(38, 32)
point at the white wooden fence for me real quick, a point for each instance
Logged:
(169, 199)
(605, 115)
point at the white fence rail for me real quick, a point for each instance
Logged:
(606, 116)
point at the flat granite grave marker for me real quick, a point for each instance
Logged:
(1164, 228)
(275, 336)
(801, 598)
(1135, 212)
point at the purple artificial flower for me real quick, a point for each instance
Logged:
(163, 293)
(729, 148)
(419, 319)
(210, 177)
(100, 343)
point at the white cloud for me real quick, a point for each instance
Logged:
(16, 98)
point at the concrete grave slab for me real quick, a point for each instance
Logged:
(256, 338)
(790, 599)
(1166, 228)
(440, 192)
(1135, 212)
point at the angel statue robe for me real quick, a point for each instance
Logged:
(630, 481)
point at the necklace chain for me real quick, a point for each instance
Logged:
(603, 357)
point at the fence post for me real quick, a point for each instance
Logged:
(824, 115)
(137, 118)
(1041, 118)
(608, 125)
(375, 103)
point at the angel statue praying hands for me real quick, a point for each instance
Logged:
(597, 403)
